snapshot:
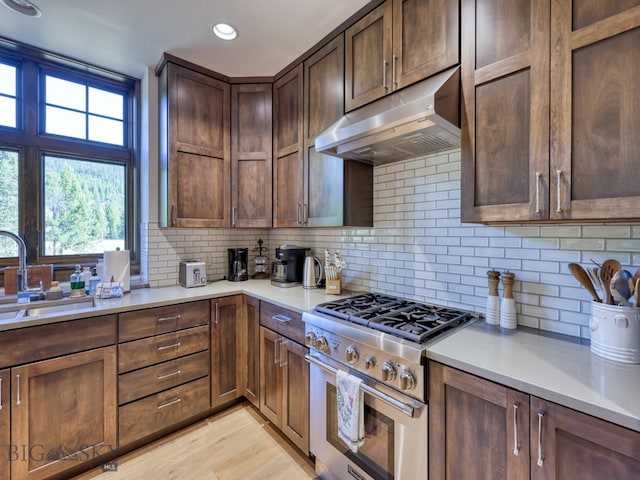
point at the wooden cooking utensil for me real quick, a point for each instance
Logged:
(582, 277)
(607, 270)
(636, 292)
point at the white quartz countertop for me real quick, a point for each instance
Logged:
(553, 368)
(293, 298)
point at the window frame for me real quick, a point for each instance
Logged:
(33, 143)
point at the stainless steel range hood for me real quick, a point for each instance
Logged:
(415, 121)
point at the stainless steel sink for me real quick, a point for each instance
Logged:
(14, 311)
(59, 306)
(10, 314)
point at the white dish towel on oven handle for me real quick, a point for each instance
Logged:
(350, 410)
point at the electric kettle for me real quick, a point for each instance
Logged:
(311, 277)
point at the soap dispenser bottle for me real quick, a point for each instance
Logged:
(77, 283)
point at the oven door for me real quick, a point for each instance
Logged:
(395, 445)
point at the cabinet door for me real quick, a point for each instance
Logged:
(505, 111)
(595, 66)
(577, 446)
(368, 57)
(197, 133)
(288, 149)
(295, 394)
(323, 105)
(5, 422)
(251, 155)
(226, 348)
(270, 376)
(425, 39)
(63, 412)
(484, 423)
(252, 387)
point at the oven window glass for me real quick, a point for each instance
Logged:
(375, 456)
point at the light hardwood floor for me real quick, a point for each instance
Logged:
(237, 444)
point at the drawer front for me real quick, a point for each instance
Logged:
(150, 351)
(31, 344)
(162, 410)
(154, 321)
(285, 322)
(150, 380)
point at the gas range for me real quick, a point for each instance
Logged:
(381, 337)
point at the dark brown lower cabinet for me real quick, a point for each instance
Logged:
(63, 413)
(479, 430)
(252, 329)
(227, 339)
(5, 420)
(284, 386)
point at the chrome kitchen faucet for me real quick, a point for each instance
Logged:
(22, 261)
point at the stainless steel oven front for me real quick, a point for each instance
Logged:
(396, 437)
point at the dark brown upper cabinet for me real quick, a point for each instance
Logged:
(288, 150)
(548, 132)
(251, 155)
(397, 44)
(195, 173)
(337, 192)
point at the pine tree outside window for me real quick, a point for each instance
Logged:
(67, 158)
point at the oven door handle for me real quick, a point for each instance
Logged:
(403, 407)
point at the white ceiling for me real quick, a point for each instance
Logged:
(127, 36)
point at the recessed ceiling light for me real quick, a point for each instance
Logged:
(23, 6)
(222, 30)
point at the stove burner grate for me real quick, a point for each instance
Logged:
(406, 319)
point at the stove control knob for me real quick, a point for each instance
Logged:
(351, 354)
(388, 371)
(407, 381)
(369, 362)
(310, 339)
(321, 343)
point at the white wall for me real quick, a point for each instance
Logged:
(420, 249)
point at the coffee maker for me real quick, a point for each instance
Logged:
(287, 270)
(238, 264)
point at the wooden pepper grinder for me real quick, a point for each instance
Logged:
(492, 316)
(508, 305)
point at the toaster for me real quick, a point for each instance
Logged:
(192, 274)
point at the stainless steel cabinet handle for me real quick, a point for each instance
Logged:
(281, 318)
(299, 219)
(0, 393)
(384, 74)
(168, 375)
(217, 313)
(173, 214)
(283, 353)
(393, 70)
(540, 456)
(233, 217)
(167, 347)
(168, 404)
(276, 360)
(305, 213)
(18, 389)
(516, 445)
(167, 319)
(559, 180)
(538, 175)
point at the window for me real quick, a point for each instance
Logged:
(79, 111)
(8, 95)
(67, 162)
